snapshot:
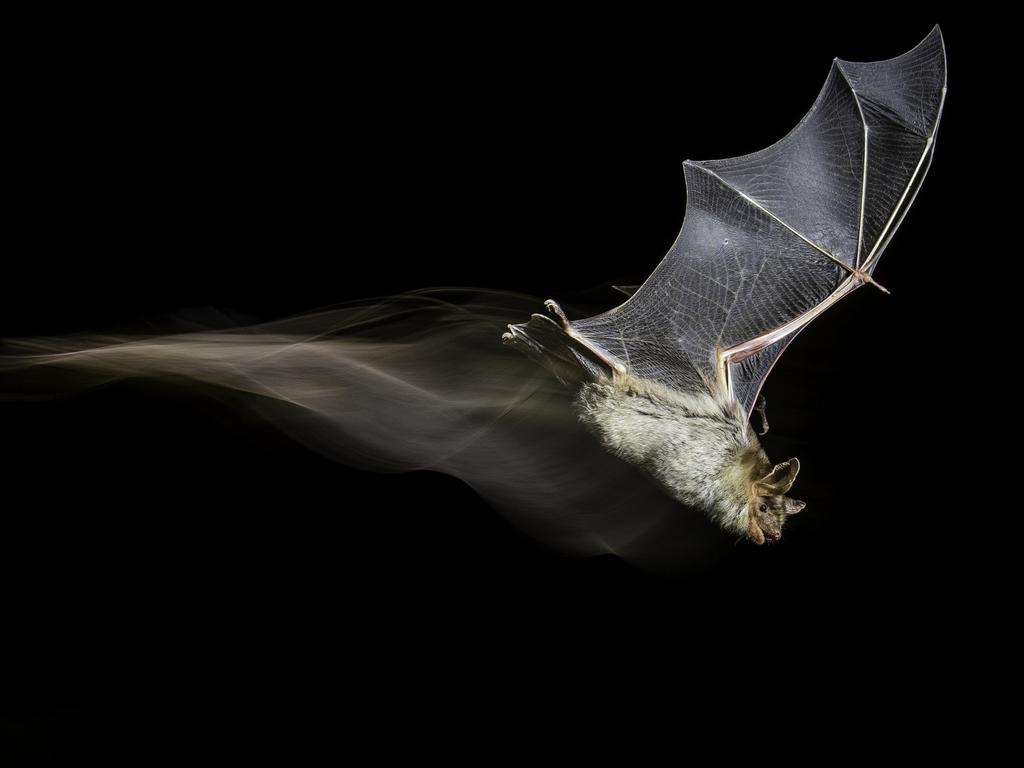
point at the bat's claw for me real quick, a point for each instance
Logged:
(552, 306)
(761, 410)
(865, 279)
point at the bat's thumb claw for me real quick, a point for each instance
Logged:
(867, 279)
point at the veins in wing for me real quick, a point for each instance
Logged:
(863, 168)
(625, 349)
(751, 201)
(705, 297)
(709, 278)
(851, 163)
(736, 298)
(890, 114)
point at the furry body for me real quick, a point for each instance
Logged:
(699, 447)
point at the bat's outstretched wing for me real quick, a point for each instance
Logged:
(772, 239)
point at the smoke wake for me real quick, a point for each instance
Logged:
(418, 381)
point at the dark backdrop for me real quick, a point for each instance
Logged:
(178, 576)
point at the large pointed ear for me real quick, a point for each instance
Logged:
(779, 480)
(792, 506)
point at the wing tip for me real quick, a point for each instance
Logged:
(934, 35)
(937, 32)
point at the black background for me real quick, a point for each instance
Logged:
(176, 576)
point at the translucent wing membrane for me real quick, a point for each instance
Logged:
(901, 101)
(734, 273)
(772, 239)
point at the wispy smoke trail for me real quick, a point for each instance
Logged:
(417, 381)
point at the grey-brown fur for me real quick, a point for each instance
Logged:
(700, 448)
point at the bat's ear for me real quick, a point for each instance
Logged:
(792, 506)
(779, 480)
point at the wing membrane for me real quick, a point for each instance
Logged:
(773, 238)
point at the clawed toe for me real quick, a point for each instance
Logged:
(552, 306)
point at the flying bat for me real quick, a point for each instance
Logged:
(669, 379)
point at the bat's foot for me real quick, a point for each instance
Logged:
(550, 342)
(761, 410)
(552, 306)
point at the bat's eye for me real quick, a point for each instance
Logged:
(763, 508)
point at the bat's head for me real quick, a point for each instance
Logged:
(769, 506)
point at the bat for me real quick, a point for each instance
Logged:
(669, 379)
